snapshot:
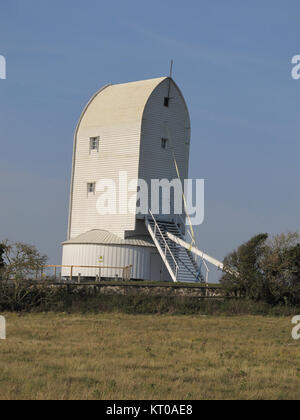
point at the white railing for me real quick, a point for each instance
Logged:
(164, 253)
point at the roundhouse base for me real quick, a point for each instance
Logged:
(145, 261)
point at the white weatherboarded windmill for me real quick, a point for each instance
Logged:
(127, 128)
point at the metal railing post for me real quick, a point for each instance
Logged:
(157, 228)
(155, 231)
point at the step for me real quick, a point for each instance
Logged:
(188, 267)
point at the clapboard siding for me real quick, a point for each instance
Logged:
(115, 115)
(113, 256)
(155, 162)
(130, 120)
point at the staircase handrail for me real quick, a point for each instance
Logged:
(165, 242)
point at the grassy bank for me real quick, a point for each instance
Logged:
(112, 356)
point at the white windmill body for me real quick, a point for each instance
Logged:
(127, 128)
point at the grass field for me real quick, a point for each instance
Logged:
(116, 356)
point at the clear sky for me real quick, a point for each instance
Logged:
(233, 64)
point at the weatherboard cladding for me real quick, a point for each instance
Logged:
(159, 122)
(112, 256)
(130, 121)
(115, 116)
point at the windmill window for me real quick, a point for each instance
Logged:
(94, 143)
(164, 143)
(166, 101)
(91, 187)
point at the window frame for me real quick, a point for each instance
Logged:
(94, 143)
(164, 143)
(166, 101)
(91, 190)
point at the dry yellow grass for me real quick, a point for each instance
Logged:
(116, 356)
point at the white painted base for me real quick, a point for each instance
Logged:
(147, 263)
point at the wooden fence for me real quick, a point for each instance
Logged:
(126, 271)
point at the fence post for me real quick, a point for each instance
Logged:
(71, 273)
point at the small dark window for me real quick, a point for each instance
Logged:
(94, 143)
(164, 143)
(166, 101)
(91, 187)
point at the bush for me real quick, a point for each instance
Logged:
(19, 261)
(267, 271)
(28, 297)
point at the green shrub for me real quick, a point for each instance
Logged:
(27, 297)
(265, 271)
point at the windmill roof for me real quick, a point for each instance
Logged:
(104, 237)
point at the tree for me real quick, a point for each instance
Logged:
(245, 262)
(22, 261)
(294, 257)
(1, 256)
(281, 267)
(267, 269)
(2, 264)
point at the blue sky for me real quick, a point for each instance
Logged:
(233, 64)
